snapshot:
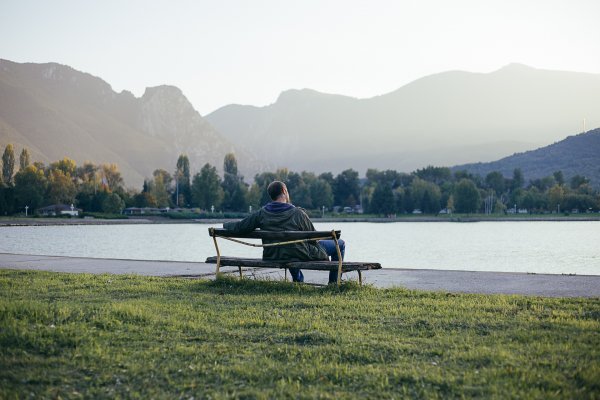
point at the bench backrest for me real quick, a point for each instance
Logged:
(271, 235)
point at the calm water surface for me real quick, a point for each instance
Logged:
(539, 247)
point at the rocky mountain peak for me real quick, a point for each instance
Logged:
(55, 110)
(163, 92)
(165, 109)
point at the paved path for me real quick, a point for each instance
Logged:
(447, 281)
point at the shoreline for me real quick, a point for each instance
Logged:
(449, 281)
(162, 220)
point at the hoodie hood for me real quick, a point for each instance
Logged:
(277, 207)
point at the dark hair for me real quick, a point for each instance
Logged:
(275, 189)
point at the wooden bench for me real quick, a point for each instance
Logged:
(283, 238)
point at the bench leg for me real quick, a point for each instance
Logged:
(359, 277)
(285, 276)
(240, 269)
(218, 257)
(339, 253)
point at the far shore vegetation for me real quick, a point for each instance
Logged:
(26, 188)
(119, 336)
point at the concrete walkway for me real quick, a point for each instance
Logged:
(437, 280)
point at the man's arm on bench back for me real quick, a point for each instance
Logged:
(246, 225)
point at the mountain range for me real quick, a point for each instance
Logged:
(444, 119)
(451, 118)
(56, 111)
(575, 155)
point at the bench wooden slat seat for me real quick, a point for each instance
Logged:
(282, 238)
(313, 265)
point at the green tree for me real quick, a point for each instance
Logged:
(425, 195)
(466, 196)
(233, 185)
(382, 201)
(458, 175)
(544, 184)
(495, 180)
(556, 195)
(30, 187)
(499, 207)
(586, 188)
(328, 177)
(559, 177)
(183, 195)
(24, 159)
(90, 192)
(61, 189)
(580, 202)
(144, 199)
(516, 197)
(234, 194)
(230, 164)
(113, 204)
(534, 200)
(301, 189)
(347, 188)
(206, 188)
(450, 204)
(183, 166)
(402, 202)
(321, 194)
(8, 164)
(437, 175)
(7, 199)
(518, 180)
(578, 181)
(302, 196)
(254, 196)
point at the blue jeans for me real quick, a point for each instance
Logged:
(329, 247)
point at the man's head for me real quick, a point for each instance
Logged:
(278, 192)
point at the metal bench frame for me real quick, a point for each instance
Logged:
(285, 238)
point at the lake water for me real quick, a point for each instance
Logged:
(538, 247)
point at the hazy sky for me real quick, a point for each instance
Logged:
(247, 52)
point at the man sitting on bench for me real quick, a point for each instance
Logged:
(281, 215)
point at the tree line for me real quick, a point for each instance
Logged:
(100, 188)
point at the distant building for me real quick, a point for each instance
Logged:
(153, 210)
(141, 211)
(514, 210)
(59, 209)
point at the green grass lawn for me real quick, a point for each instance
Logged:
(116, 336)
